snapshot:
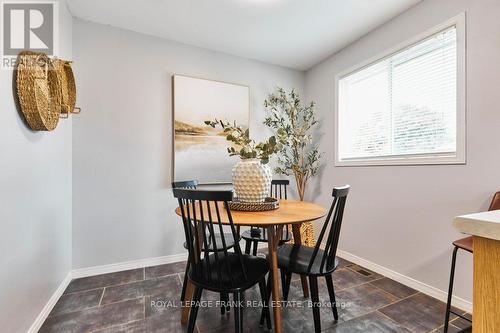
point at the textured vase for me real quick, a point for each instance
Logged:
(252, 180)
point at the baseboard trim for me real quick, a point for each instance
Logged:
(40, 319)
(408, 281)
(126, 265)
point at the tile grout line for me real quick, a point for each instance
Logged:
(399, 300)
(95, 307)
(123, 300)
(389, 304)
(106, 286)
(81, 310)
(120, 284)
(450, 326)
(388, 292)
(162, 276)
(102, 296)
(354, 286)
(456, 320)
(402, 299)
(74, 311)
(392, 320)
(405, 298)
(116, 326)
(126, 300)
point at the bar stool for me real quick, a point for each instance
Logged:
(466, 244)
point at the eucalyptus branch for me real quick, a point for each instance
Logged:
(292, 124)
(242, 145)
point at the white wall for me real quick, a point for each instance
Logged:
(400, 216)
(35, 205)
(122, 202)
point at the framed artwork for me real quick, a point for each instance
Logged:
(200, 151)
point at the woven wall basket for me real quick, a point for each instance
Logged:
(68, 86)
(38, 91)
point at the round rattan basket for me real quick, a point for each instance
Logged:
(68, 86)
(268, 204)
(38, 91)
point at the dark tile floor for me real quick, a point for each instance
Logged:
(147, 301)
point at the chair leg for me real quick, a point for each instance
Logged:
(184, 284)
(450, 290)
(248, 245)
(255, 246)
(283, 278)
(313, 282)
(331, 293)
(265, 305)
(238, 312)
(228, 303)
(194, 309)
(286, 286)
(224, 301)
(268, 297)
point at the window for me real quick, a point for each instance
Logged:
(406, 107)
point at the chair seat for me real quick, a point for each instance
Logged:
(218, 240)
(247, 235)
(466, 244)
(230, 280)
(295, 258)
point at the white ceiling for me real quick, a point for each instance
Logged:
(292, 33)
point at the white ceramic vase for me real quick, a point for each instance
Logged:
(251, 180)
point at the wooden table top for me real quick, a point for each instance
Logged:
(289, 212)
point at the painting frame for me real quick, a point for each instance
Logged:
(175, 112)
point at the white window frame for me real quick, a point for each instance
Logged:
(418, 159)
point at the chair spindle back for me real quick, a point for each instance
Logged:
(279, 188)
(203, 213)
(191, 184)
(334, 221)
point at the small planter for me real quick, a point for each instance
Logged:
(252, 180)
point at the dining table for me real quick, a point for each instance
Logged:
(290, 212)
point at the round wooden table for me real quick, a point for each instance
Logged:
(289, 212)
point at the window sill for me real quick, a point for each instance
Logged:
(420, 160)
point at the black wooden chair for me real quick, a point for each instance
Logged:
(215, 268)
(316, 262)
(256, 235)
(193, 184)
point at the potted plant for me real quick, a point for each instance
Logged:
(251, 175)
(293, 125)
(298, 155)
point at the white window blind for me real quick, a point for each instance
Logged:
(404, 105)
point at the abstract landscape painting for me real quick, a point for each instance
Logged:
(200, 151)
